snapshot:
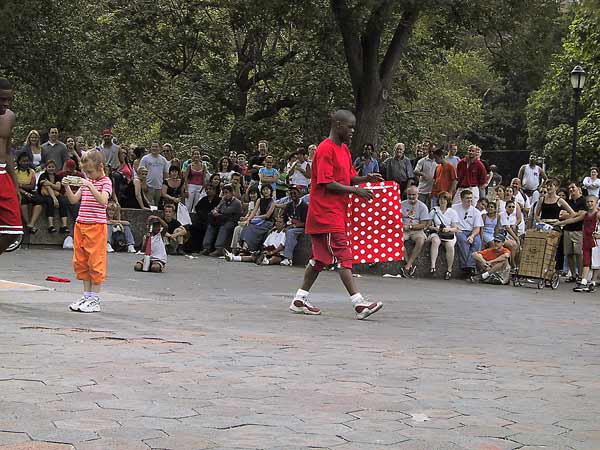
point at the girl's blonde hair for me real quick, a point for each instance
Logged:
(32, 133)
(96, 157)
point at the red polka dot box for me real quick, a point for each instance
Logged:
(375, 226)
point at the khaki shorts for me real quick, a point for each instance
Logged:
(572, 242)
(414, 234)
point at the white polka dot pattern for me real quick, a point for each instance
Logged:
(375, 226)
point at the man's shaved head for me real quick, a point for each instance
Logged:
(342, 115)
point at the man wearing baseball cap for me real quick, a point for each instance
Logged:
(110, 150)
(493, 262)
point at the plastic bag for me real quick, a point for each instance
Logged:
(68, 242)
(183, 215)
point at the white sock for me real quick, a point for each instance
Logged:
(357, 298)
(87, 294)
(484, 275)
(236, 258)
(583, 281)
(301, 294)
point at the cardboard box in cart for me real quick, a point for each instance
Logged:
(538, 255)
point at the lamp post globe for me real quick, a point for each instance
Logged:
(577, 81)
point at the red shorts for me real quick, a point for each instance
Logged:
(10, 210)
(330, 248)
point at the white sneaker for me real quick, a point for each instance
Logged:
(76, 305)
(130, 249)
(286, 262)
(228, 255)
(109, 248)
(303, 306)
(92, 305)
(364, 309)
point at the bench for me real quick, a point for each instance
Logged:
(138, 219)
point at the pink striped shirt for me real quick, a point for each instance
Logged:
(90, 211)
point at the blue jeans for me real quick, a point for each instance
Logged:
(466, 250)
(126, 230)
(291, 240)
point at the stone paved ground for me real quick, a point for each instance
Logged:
(207, 357)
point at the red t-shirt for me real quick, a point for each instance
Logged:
(470, 174)
(326, 209)
(445, 174)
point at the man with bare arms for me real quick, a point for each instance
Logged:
(10, 214)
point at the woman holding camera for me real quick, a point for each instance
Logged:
(443, 228)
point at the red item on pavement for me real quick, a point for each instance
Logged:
(57, 279)
(374, 227)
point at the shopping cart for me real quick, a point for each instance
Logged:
(538, 260)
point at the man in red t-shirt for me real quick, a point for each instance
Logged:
(444, 179)
(333, 179)
(471, 174)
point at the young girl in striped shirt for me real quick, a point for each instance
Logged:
(89, 258)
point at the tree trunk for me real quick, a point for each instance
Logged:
(368, 118)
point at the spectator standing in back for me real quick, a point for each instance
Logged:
(257, 161)
(54, 150)
(451, 156)
(444, 179)
(471, 175)
(367, 163)
(425, 170)
(398, 168)
(531, 176)
(300, 173)
(110, 150)
(158, 171)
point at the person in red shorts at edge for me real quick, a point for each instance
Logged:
(333, 179)
(10, 212)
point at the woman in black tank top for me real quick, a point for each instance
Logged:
(548, 208)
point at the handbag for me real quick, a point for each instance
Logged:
(444, 235)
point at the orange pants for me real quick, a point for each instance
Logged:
(89, 255)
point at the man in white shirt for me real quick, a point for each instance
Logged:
(531, 176)
(470, 222)
(522, 200)
(158, 171)
(425, 170)
(415, 218)
(451, 156)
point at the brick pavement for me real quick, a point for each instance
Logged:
(206, 356)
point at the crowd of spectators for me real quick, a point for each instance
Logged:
(254, 209)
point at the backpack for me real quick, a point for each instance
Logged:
(119, 241)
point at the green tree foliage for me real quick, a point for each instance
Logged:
(551, 108)
(223, 74)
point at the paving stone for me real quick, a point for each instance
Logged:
(37, 446)
(491, 368)
(7, 437)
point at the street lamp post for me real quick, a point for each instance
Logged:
(577, 82)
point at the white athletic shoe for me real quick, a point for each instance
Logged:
(92, 305)
(303, 306)
(109, 248)
(76, 305)
(130, 249)
(364, 309)
(228, 255)
(286, 262)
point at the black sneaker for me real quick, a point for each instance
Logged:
(591, 286)
(403, 272)
(581, 288)
(411, 272)
(571, 279)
